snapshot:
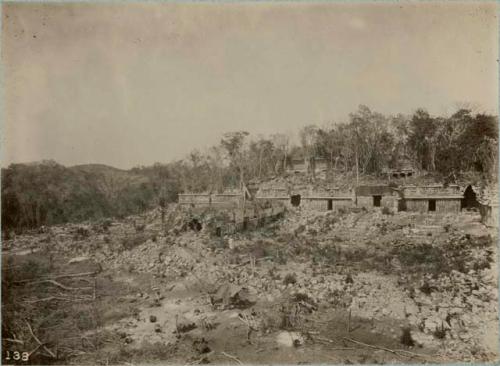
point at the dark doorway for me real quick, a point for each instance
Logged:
(401, 205)
(295, 200)
(432, 205)
(330, 205)
(470, 200)
(376, 201)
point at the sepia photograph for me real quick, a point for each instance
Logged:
(245, 183)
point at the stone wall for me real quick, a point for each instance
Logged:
(417, 205)
(448, 205)
(250, 219)
(195, 199)
(442, 205)
(321, 204)
(205, 199)
(236, 199)
(386, 201)
(432, 190)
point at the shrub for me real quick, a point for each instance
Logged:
(355, 255)
(290, 278)
(84, 320)
(81, 233)
(406, 338)
(386, 211)
(130, 242)
(426, 288)
(33, 268)
(440, 332)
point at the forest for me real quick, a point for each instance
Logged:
(48, 193)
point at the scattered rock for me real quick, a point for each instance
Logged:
(289, 339)
(78, 260)
(229, 295)
(184, 325)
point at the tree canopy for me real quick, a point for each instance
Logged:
(48, 193)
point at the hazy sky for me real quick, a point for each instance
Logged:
(129, 84)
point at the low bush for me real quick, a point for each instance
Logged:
(133, 241)
(387, 211)
(440, 332)
(406, 338)
(290, 278)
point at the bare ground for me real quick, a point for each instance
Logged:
(336, 287)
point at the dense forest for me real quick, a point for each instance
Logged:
(47, 193)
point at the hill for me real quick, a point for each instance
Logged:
(47, 193)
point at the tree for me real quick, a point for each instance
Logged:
(308, 137)
(233, 143)
(423, 138)
(373, 143)
(281, 144)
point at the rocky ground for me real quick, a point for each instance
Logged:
(353, 286)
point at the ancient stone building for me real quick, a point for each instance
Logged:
(376, 196)
(431, 198)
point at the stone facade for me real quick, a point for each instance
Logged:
(206, 199)
(376, 196)
(431, 198)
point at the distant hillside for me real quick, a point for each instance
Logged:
(97, 168)
(48, 193)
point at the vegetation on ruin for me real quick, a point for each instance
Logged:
(447, 148)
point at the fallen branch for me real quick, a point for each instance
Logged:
(414, 354)
(55, 283)
(232, 357)
(370, 345)
(72, 352)
(57, 298)
(396, 352)
(13, 340)
(57, 277)
(324, 339)
(38, 341)
(34, 350)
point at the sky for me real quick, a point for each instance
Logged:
(133, 84)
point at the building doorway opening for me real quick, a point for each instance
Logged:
(470, 200)
(377, 201)
(401, 205)
(330, 205)
(295, 200)
(432, 205)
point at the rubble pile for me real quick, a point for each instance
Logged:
(433, 275)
